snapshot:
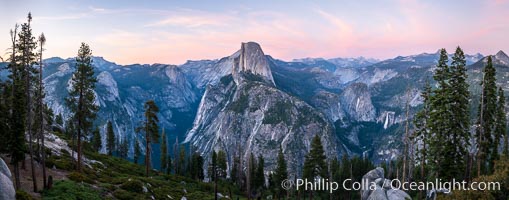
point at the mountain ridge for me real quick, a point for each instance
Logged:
(327, 90)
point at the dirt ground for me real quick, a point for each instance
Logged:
(26, 175)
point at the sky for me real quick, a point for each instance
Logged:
(172, 32)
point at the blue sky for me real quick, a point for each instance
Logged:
(175, 31)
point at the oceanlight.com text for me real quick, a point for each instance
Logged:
(349, 184)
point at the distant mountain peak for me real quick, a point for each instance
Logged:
(53, 60)
(501, 53)
(502, 57)
(250, 58)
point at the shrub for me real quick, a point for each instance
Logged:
(59, 163)
(125, 195)
(79, 177)
(500, 175)
(133, 186)
(226, 80)
(280, 112)
(240, 105)
(22, 195)
(71, 190)
(122, 194)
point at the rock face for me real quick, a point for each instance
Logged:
(255, 117)
(356, 100)
(251, 58)
(361, 100)
(245, 113)
(382, 189)
(122, 90)
(7, 191)
(502, 57)
(4, 169)
(329, 104)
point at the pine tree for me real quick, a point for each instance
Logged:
(137, 151)
(81, 96)
(124, 148)
(27, 57)
(486, 119)
(182, 161)
(70, 131)
(502, 121)
(500, 125)
(250, 173)
(234, 174)
(169, 165)
(281, 173)
(164, 152)
(176, 155)
(458, 138)
(59, 120)
(213, 172)
(440, 118)
(335, 176)
(196, 166)
(16, 138)
(151, 130)
(4, 137)
(346, 173)
(40, 101)
(422, 134)
(221, 164)
(110, 138)
(96, 139)
(314, 163)
(259, 178)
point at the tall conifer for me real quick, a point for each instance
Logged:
(151, 130)
(81, 96)
(486, 119)
(110, 138)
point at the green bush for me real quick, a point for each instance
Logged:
(22, 195)
(72, 191)
(122, 194)
(133, 186)
(240, 105)
(79, 177)
(59, 163)
(280, 112)
(125, 195)
(107, 186)
(226, 80)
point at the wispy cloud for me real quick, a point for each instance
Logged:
(191, 21)
(173, 32)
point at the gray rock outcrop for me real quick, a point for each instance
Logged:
(251, 59)
(356, 101)
(6, 185)
(245, 113)
(383, 189)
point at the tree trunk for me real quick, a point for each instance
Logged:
(423, 161)
(78, 150)
(14, 69)
(215, 183)
(405, 153)
(29, 125)
(80, 111)
(41, 128)
(16, 175)
(73, 146)
(481, 130)
(147, 150)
